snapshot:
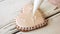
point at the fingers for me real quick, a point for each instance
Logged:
(55, 2)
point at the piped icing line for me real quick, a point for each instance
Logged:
(36, 4)
(27, 29)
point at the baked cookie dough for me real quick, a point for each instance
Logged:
(25, 21)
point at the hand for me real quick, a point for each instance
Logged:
(55, 2)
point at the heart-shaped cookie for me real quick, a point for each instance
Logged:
(25, 21)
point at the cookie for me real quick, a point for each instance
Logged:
(25, 21)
